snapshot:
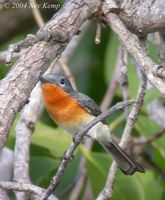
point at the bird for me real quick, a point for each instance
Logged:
(72, 110)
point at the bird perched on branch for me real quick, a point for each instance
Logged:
(73, 110)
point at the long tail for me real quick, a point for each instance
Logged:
(128, 165)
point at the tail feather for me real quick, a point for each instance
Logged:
(128, 165)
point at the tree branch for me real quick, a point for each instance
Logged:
(15, 88)
(148, 140)
(142, 17)
(6, 169)
(67, 72)
(36, 13)
(26, 124)
(28, 188)
(75, 194)
(4, 195)
(77, 138)
(24, 130)
(107, 191)
(124, 77)
(135, 47)
(113, 84)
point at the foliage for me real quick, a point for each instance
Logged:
(93, 68)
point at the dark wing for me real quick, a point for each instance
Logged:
(87, 103)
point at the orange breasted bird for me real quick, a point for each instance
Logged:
(73, 110)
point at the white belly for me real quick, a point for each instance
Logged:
(98, 132)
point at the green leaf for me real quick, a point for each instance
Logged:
(116, 122)
(139, 186)
(37, 151)
(151, 94)
(127, 188)
(135, 187)
(92, 158)
(54, 139)
(40, 167)
(159, 153)
(153, 52)
(98, 166)
(151, 186)
(146, 127)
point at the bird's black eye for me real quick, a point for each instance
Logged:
(62, 81)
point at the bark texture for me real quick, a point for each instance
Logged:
(17, 85)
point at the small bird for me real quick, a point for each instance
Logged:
(73, 110)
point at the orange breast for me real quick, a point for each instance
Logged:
(61, 107)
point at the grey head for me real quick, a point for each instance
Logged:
(58, 80)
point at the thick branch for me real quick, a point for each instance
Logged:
(25, 188)
(142, 17)
(16, 87)
(25, 126)
(134, 46)
(24, 130)
(6, 169)
(4, 195)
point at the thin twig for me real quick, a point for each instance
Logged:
(88, 193)
(78, 137)
(124, 77)
(65, 58)
(67, 53)
(113, 84)
(26, 188)
(98, 33)
(157, 39)
(67, 72)
(39, 19)
(36, 13)
(83, 167)
(11, 53)
(147, 140)
(5, 56)
(107, 191)
(81, 179)
(82, 174)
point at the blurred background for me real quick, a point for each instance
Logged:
(93, 67)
